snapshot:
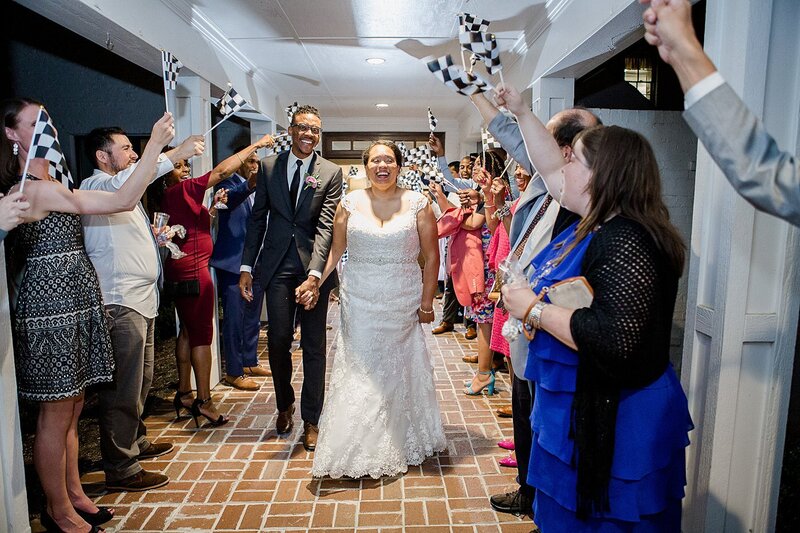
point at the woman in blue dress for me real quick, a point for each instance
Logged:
(610, 419)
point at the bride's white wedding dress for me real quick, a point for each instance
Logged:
(380, 413)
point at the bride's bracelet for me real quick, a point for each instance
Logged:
(424, 312)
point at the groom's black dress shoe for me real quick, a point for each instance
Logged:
(285, 422)
(310, 433)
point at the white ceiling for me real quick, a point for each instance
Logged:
(315, 50)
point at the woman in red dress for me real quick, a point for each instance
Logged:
(190, 279)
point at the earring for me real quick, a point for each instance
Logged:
(15, 148)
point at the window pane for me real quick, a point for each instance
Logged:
(361, 145)
(340, 145)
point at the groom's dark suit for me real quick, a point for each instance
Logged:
(297, 241)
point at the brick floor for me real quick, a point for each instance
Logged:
(245, 477)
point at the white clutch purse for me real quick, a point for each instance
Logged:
(571, 293)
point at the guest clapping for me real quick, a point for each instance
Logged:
(602, 372)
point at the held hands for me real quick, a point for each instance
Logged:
(12, 209)
(436, 145)
(425, 314)
(307, 293)
(221, 196)
(246, 286)
(163, 131)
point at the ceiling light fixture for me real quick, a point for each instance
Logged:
(381, 106)
(376, 60)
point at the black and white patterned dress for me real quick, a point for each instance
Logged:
(61, 339)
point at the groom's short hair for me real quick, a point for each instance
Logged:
(306, 110)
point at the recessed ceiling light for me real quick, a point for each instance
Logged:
(376, 60)
(381, 106)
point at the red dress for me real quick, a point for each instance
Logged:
(184, 204)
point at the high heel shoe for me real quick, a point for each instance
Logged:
(50, 525)
(489, 386)
(103, 515)
(178, 404)
(196, 413)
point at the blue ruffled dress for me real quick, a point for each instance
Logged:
(648, 469)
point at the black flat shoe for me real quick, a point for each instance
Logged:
(50, 525)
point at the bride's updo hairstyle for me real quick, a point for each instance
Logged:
(398, 155)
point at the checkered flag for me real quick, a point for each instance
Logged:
(420, 156)
(290, 111)
(171, 66)
(282, 143)
(467, 23)
(473, 41)
(45, 145)
(432, 121)
(403, 151)
(411, 180)
(457, 78)
(231, 102)
(488, 141)
(353, 172)
(491, 58)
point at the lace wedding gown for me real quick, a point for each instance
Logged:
(380, 413)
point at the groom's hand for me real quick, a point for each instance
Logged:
(307, 293)
(246, 286)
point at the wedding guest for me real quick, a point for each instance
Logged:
(189, 279)
(125, 256)
(736, 139)
(610, 421)
(242, 319)
(61, 339)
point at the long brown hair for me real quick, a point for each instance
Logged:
(626, 181)
(9, 163)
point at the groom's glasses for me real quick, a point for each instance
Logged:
(305, 127)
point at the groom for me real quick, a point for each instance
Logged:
(299, 191)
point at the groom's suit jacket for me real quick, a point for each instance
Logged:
(750, 158)
(309, 227)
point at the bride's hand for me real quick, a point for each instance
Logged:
(425, 317)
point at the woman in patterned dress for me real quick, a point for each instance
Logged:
(61, 339)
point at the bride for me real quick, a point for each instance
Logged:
(381, 413)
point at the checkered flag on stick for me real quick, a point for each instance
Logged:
(411, 180)
(45, 145)
(457, 78)
(488, 141)
(467, 22)
(171, 66)
(491, 58)
(403, 151)
(353, 172)
(432, 121)
(290, 111)
(473, 41)
(420, 156)
(282, 143)
(231, 102)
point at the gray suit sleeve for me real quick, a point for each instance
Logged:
(507, 133)
(749, 157)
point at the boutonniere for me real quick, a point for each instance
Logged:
(311, 180)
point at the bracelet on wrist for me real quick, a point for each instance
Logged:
(240, 158)
(503, 212)
(425, 311)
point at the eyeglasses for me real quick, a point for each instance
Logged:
(305, 127)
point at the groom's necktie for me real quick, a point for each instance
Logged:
(295, 185)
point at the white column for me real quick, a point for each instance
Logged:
(742, 311)
(13, 500)
(551, 95)
(192, 113)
